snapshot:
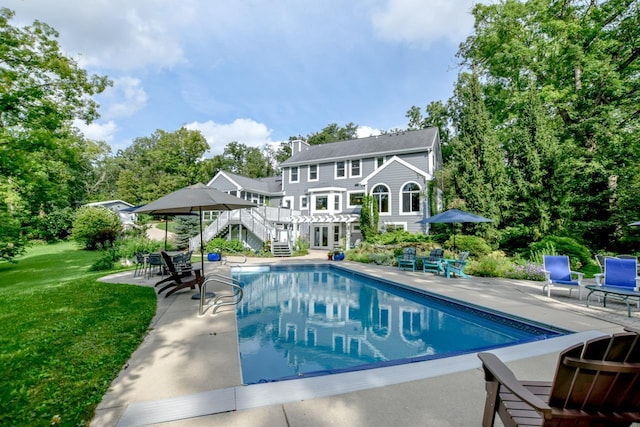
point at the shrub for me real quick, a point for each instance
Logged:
(108, 258)
(95, 227)
(299, 249)
(526, 271)
(129, 247)
(55, 225)
(476, 246)
(495, 264)
(223, 245)
(579, 255)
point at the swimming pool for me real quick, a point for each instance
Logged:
(307, 320)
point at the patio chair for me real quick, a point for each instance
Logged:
(456, 266)
(558, 273)
(596, 383)
(620, 280)
(407, 260)
(433, 262)
(178, 279)
(154, 263)
(141, 264)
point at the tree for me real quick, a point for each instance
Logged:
(42, 161)
(333, 133)
(369, 217)
(96, 227)
(477, 160)
(582, 59)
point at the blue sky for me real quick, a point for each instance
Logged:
(257, 71)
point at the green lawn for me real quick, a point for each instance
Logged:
(63, 335)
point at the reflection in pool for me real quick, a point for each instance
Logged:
(298, 321)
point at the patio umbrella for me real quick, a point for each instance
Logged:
(195, 199)
(453, 216)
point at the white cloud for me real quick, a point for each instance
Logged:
(417, 21)
(124, 99)
(97, 131)
(114, 34)
(244, 131)
(365, 131)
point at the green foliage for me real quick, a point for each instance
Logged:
(186, 227)
(61, 358)
(55, 225)
(399, 237)
(221, 245)
(95, 227)
(475, 245)
(300, 248)
(130, 246)
(333, 133)
(579, 255)
(108, 258)
(369, 217)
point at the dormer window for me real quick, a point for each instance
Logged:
(340, 169)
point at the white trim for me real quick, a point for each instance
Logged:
(401, 211)
(404, 163)
(349, 193)
(327, 190)
(309, 172)
(337, 199)
(312, 206)
(403, 224)
(289, 199)
(351, 175)
(306, 199)
(335, 169)
(228, 178)
(297, 168)
(390, 198)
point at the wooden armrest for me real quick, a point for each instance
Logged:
(601, 365)
(494, 368)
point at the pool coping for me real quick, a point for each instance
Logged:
(280, 392)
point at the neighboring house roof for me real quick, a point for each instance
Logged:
(268, 185)
(389, 144)
(111, 203)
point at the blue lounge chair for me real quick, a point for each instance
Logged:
(456, 266)
(407, 260)
(620, 280)
(558, 273)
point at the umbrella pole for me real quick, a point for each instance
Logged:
(201, 242)
(166, 232)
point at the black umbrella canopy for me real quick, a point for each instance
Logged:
(192, 199)
(454, 216)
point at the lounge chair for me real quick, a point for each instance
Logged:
(620, 280)
(178, 279)
(433, 262)
(596, 383)
(558, 273)
(407, 260)
(456, 266)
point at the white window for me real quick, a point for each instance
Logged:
(355, 168)
(337, 202)
(381, 193)
(293, 174)
(395, 226)
(313, 172)
(304, 202)
(340, 170)
(287, 202)
(379, 161)
(355, 199)
(410, 198)
(322, 203)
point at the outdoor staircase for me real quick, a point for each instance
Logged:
(281, 249)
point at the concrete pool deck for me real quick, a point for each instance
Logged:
(187, 371)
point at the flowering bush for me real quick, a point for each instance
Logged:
(528, 271)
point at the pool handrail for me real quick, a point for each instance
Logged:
(220, 300)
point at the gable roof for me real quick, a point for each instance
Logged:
(381, 145)
(268, 185)
(395, 159)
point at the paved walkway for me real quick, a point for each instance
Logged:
(187, 371)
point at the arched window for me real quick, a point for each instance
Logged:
(411, 198)
(381, 193)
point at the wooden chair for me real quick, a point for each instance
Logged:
(596, 383)
(178, 279)
(456, 266)
(433, 262)
(407, 260)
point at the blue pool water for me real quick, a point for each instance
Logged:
(297, 321)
